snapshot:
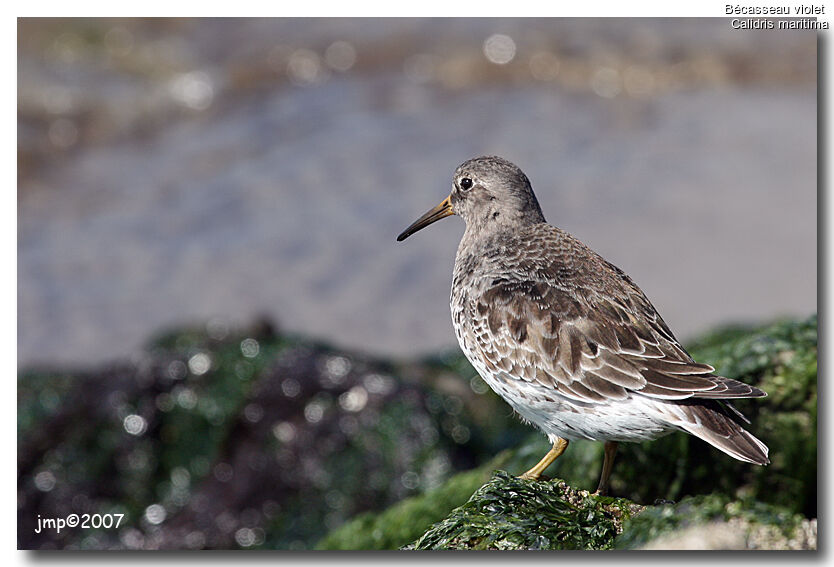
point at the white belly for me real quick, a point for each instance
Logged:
(630, 420)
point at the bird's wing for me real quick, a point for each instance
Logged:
(595, 351)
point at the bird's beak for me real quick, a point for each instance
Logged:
(444, 209)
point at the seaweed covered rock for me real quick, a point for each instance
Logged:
(716, 522)
(512, 513)
(215, 438)
(508, 513)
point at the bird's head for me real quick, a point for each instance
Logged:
(488, 193)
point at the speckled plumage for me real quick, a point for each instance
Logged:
(567, 338)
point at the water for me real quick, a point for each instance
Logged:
(179, 171)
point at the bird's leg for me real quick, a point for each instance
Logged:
(559, 447)
(607, 465)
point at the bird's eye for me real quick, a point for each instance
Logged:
(466, 184)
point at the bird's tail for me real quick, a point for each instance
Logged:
(712, 421)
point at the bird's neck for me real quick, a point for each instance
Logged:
(497, 227)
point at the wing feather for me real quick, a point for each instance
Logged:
(593, 351)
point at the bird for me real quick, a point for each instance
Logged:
(566, 337)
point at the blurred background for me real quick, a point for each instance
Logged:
(189, 184)
(193, 170)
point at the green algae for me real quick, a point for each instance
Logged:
(509, 513)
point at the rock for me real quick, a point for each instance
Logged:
(737, 534)
(510, 513)
(717, 522)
